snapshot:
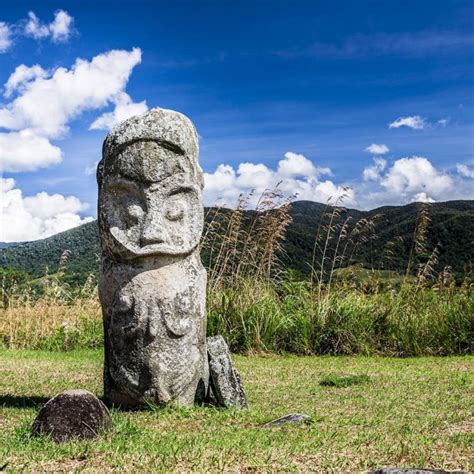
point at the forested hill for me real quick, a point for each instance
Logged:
(450, 226)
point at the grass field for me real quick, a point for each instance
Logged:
(389, 412)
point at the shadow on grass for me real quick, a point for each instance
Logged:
(343, 381)
(34, 401)
(12, 401)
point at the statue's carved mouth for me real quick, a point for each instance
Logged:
(150, 246)
(148, 241)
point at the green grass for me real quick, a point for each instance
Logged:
(343, 381)
(291, 317)
(406, 412)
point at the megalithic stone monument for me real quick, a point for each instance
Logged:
(152, 283)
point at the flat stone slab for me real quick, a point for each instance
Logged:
(72, 414)
(225, 381)
(291, 418)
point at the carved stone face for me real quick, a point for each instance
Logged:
(149, 201)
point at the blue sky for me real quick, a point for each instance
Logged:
(279, 91)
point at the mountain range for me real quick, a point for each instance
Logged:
(385, 243)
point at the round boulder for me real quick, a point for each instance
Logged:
(72, 414)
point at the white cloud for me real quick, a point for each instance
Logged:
(36, 217)
(298, 165)
(378, 149)
(422, 197)
(465, 171)
(372, 173)
(47, 104)
(443, 122)
(21, 77)
(5, 37)
(26, 151)
(44, 205)
(408, 180)
(414, 121)
(124, 109)
(295, 173)
(405, 180)
(35, 28)
(59, 29)
(48, 100)
(92, 168)
(416, 174)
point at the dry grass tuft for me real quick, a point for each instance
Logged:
(258, 306)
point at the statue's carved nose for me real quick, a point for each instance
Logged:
(153, 233)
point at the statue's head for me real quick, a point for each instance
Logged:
(150, 187)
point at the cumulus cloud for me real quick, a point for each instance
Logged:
(465, 171)
(21, 77)
(422, 197)
(416, 174)
(5, 37)
(295, 174)
(408, 180)
(372, 173)
(26, 151)
(414, 121)
(47, 104)
(36, 217)
(124, 109)
(59, 29)
(298, 165)
(35, 28)
(376, 149)
(46, 101)
(405, 180)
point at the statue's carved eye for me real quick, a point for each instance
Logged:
(176, 203)
(175, 213)
(134, 210)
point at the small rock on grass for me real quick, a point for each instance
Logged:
(291, 418)
(225, 381)
(72, 414)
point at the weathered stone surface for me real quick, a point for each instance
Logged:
(291, 418)
(225, 381)
(72, 414)
(152, 284)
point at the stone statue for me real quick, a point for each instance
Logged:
(152, 284)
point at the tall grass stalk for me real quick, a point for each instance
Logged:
(258, 306)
